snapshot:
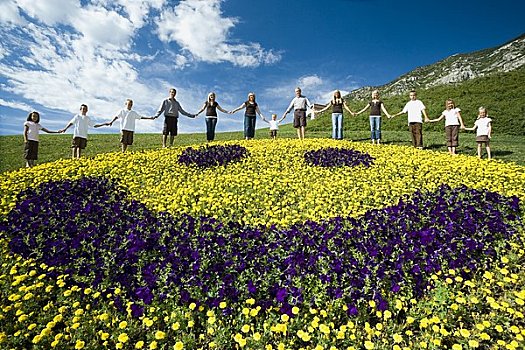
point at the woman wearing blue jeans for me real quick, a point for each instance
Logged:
(337, 104)
(211, 106)
(250, 115)
(376, 106)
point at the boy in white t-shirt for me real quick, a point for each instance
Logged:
(415, 109)
(484, 130)
(81, 123)
(274, 125)
(127, 118)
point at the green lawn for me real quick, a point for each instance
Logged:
(509, 148)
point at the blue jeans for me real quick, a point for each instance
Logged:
(249, 126)
(211, 123)
(337, 126)
(375, 127)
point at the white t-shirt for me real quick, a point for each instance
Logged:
(127, 119)
(414, 109)
(451, 116)
(274, 124)
(482, 126)
(81, 123)
(33, 129)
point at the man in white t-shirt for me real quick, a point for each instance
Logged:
(415, 109)
(81, 123)
(127, 118)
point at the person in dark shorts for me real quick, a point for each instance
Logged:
(171, 108)
(80, 122)
(127, 118)
(31, 128)
(299, 104)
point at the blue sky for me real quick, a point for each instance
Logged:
(57, 54)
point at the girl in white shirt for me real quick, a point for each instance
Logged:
(453, 122)
(484, 130)
(31, 129)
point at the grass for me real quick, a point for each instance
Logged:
(509, 148)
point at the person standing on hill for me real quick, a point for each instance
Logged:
(127, 118)
(170, 107)
(32, 128)
(250, 115)
(415, 109)
(453, 122)
(80, 122)
(375, 106)
(484, 131)
(299, 104)
(211, 106)
(337, 103)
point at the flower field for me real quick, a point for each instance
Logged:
(263, 244)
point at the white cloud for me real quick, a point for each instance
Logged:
(200, 29)
(16, 105)
(9, 13)
(50, 11)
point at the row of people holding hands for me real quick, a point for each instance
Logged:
(170, 108)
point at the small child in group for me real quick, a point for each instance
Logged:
(274, 125)
(31, 129)
(484, 130)
(80, 122)
(127, 124)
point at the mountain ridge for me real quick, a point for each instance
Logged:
(454, 69)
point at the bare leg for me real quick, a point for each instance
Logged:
(489, 156)
(479, 150)
(124, 147)
(164, 139)
(172, 138)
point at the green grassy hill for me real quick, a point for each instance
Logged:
(503, 94)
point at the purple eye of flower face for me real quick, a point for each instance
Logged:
(209, 156)
(336, 157)
(73, 226)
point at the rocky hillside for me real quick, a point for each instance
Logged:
(454, 69)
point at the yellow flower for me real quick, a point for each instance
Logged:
(79, 344)
(369, 345)
(457, 347)
(139, 344)
(465, 333)
(397, 338)
(153, 345)
(159, 335)
(245, 328)
(223, 304)
(473, 343)
(123, 338)
(178, 346)
(122, 325)
(175, 326)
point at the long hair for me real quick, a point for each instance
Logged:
(450, 100)
(336, 99)
(210, 95)
(30, 117)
